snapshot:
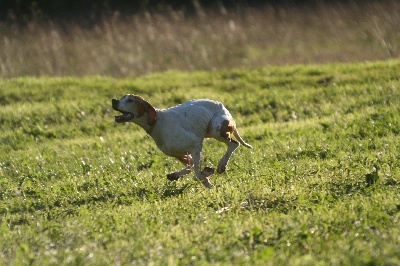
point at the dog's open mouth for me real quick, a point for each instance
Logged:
(125, 117)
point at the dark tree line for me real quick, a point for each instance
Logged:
(24, 10)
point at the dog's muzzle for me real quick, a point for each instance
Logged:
(125, 117)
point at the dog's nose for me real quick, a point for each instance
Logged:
(114, 103)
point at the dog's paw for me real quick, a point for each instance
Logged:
(221, 168)
(173, 177)
(207, 171)
(206, 182)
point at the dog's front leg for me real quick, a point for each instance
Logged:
(176, 175)
(187, 162)
(201, 176)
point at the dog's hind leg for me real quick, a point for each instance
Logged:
(232, 146)
(188, 162)
(221, 129)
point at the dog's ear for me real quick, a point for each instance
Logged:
(152, 116)
(145, 107)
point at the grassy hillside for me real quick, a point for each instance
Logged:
(78, 189)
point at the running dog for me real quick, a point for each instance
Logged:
(179, 131)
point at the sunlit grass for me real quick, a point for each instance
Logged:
(76, 188)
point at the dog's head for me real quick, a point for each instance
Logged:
(134, 109)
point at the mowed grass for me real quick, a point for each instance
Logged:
(78, 189)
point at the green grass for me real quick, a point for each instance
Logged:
(78, 189)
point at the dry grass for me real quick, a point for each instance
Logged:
(133, 45)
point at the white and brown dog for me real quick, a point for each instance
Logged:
(179, 131)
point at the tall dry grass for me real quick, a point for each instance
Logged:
(133, 45)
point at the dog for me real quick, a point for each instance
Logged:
(179, 131)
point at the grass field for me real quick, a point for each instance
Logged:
(78, 189)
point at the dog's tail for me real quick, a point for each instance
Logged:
(237, 136)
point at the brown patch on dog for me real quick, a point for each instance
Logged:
(144, 107)
(141, 109)
(227, 128)
(185, 159)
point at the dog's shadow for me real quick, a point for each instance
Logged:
(172, 190)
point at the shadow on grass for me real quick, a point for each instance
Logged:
(152, 194)
(174, 191)
(69, 206)
(137, 194)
